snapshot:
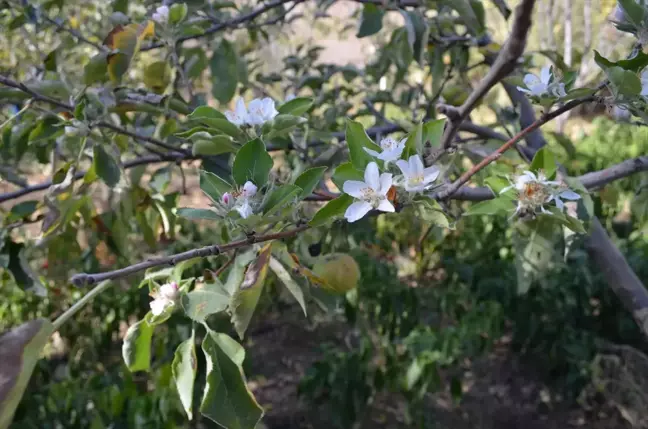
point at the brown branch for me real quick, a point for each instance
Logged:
(85, 279)
(506, 146)
(504, 64)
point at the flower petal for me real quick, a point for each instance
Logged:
(371, 152)
(531, 80)
(568, 194)
(354, 188)
(385, 183)
(430, 174)
(545, 75)
(404, 167)
(357, 210)
(372, 176)
(386, 206)
(416, 165)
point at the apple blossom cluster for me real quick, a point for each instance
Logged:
(545, 85)
(371, 194)
(165, 297)
(258, 112)
(241, 201)
(534, 191)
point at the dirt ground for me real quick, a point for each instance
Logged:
(500, 391)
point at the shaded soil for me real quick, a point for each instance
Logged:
(499, 391)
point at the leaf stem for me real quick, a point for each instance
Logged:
(59, 321)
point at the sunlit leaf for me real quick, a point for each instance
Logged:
(309, 180)
(199, 304)
(136, 349)
(184, 368)
(331, 211)
(253, 163)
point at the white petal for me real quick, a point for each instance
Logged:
(416, 188)
(568, 194)
(239, 108)
(169, 291)
(523, 90)
(390, 155)
(531, 80)
(385, 183)
(386, 206)
(234, 118)
(545, 74)
(404, 167)
(158, 306)
(354, 188)
(372, 176)
(430, 174)
(372, 152)
(357, 210)
(508, 188)
(249, 190)
(245, 210)
(416, 165)
(269, 110)
(254, 119)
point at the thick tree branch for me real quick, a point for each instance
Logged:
(84, 279)
(504, 64)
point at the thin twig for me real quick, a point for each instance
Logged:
(85, 279)
(506, 146)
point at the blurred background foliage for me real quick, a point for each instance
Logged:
(434, 305)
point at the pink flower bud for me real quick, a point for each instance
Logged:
(227, 198)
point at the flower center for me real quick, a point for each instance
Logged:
(534, 193)
(388, 144)
(416, 180)
(370, 196)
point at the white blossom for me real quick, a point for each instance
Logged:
(258, 112)
(249, 190)
(416, 176)
(261, 111)
(165, 297)
(539, 86)
(245, 209)
(371, 194)
(534, 191)
(161, 15)
(391, 150)
(239, 115)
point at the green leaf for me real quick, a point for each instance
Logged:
(332, 210)
(371, 20)
(433, 131)
(22, 210)
(624, 82)
(633, 11)
(491, 207)
(534, 244)
(96, 69)
(544, 161)
(177, 13)
(279, 198)
(222, 126)
(357, 139)
(216, 145)
(136, 349)
(292, 286)
(195, 62)
(19, 268)
(634, 64)
(282, 123)
(205, 112)
(497, 184)
(565, 142)
(309, 180)
(106, 166)
(246, 297)
(184, 372)
(344, 172)
(431, 212)
(213, 186)
(230, 346)
(224, 70)
(197, 214)
(296, 107)
(227, 400)
(20, 349)
(199, 304)
(253, 163)
(414, 143)
(237, 272)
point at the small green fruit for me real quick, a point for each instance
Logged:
(340, 272)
